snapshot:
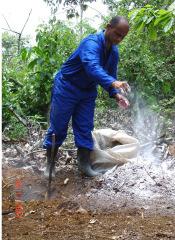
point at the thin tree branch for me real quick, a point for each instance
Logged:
(26, 21)
(7, 22)
(97, 11)
(19, 34)
(10, 30)
(23, 121)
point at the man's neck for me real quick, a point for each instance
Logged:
(108, 45)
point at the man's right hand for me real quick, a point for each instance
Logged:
(122, 85)
(122, 101)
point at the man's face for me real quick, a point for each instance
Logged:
(116, 34)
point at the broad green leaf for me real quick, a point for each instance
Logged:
(161, 19)
(148, 6)
(169, 25)
(166, 21)
(32, 63)
(172, 7)
(162, 12)
(140, 26)
(149, 19)
(133, 14)
(38, 50)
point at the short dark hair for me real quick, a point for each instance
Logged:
(115, 20)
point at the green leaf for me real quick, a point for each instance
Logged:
(133, 14)
(32, 63)
(38, 50)
(24, 54)
(162, 12)
(149, 19)
(148, 6)
(145, 18)
(169, 25)
(140, 26)
(160, 19)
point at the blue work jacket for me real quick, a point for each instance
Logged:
(90, 64)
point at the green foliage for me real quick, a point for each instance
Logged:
(13, 73)
(149, 72)
(28, 77)
(69, 5)
(15, 130)
(55, 42)
(154, 63)
(153, 20)
(9, 45)
(166, 107)
(146, 64)
(124, 6)
(86, 29)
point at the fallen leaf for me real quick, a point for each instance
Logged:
(66, 181)
(92, 221)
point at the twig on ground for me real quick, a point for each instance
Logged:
(36, 145)
(5, 212)
(23, 121)
(41, 150)
(68, 149)
(19, 150)
(5, 184)
(158, 184)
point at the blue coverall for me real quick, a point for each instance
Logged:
(75, 89)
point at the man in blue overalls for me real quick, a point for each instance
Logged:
(75, 90)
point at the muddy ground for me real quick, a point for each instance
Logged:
(134, 201)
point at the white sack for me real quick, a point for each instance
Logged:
(112, 148)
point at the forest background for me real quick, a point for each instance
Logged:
(147, 60)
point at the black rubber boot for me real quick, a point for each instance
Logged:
(48, 154)
(83, 157)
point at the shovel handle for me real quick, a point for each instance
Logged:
(53, 147)
(52, 160)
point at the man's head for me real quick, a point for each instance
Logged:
(116, 30)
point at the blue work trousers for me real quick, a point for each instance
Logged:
(68, 101)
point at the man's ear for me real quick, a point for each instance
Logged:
(108, 26)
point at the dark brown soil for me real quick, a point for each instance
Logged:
(71, 213)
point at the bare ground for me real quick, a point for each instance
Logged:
(134, 201)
